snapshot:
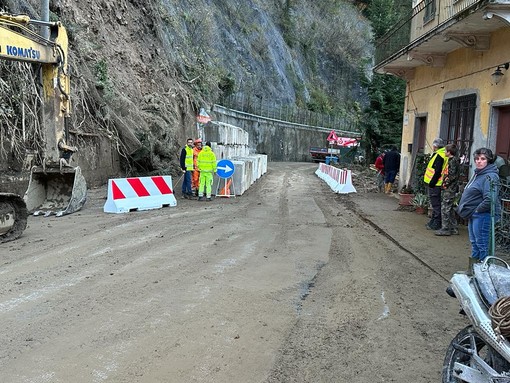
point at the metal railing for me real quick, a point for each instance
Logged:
(418, 22)
(290, 113)
(503, 226)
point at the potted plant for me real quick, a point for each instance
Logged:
(421, 203)
(406, 195)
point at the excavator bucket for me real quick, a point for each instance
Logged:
(55, 191)
(13, 216)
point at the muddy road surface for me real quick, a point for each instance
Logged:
(287, 283)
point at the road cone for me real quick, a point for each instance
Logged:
(225, 192)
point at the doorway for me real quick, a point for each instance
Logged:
(419, 139)
(503, 133)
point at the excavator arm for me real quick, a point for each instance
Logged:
(55, 187)
(27, 47)
(20, 43)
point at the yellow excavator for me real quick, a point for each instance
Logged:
(55, 187)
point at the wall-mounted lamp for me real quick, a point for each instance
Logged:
(498, 74)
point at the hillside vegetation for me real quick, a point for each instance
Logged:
(141, 69)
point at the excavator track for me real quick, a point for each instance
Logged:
(13, 216)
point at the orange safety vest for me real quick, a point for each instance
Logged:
(196, 152)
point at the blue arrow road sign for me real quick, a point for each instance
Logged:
(225, 169)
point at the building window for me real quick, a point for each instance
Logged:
(457, 126)
(430, 11)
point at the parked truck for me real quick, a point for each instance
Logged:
(319, 154)
(54, 187)
(336, 154)
(343, 149)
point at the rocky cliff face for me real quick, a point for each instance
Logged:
(142, 68)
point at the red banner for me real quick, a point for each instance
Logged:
(203, 117)
(341, 141)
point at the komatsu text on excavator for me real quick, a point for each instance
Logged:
(54, 187)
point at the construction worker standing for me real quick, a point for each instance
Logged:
(434, 179)
(186, 162)
(206, 162)
(195, 179)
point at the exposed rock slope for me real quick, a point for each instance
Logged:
(141, 69)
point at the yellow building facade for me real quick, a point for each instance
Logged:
(458, 88)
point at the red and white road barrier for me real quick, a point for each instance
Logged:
(139, 193)
(339, 180)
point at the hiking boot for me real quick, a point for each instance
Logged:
(442, 232)
(454, 231)
(209, 199)
(430, 226)
(201, 198)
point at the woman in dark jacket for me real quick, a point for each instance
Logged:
(475, 203)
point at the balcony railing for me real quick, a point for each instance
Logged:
(424, 17)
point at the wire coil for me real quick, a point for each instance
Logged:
(500, 316)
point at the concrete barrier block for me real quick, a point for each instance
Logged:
(225, 134)
(211, 133)
(241, 181)
(263, 164)
(250, 169)
(229, 151)
(232, 142)
(240, 178)
(260, 167)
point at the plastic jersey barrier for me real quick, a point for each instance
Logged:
(139, 193)
(339, 180)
